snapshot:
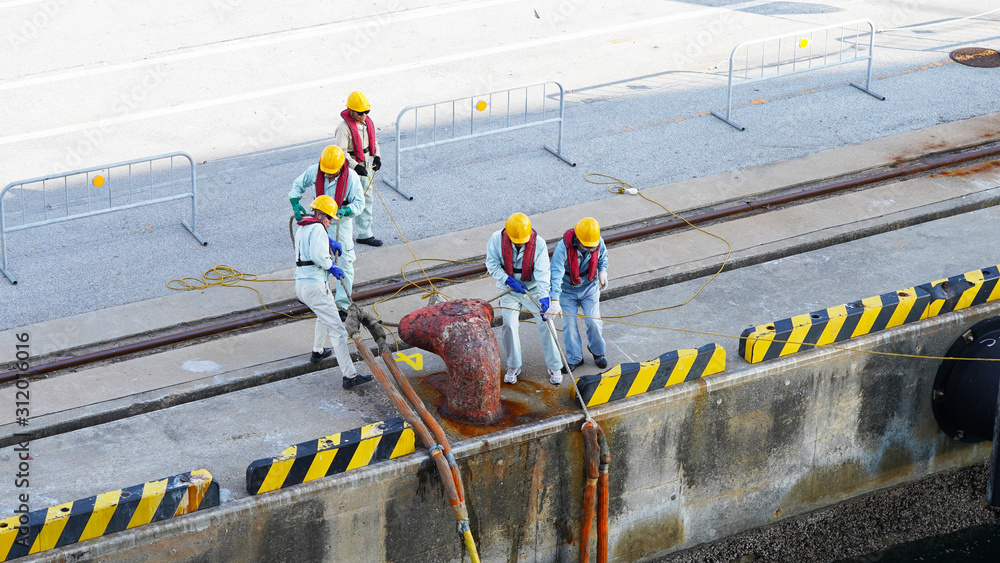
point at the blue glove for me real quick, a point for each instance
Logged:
(335, 247)
(337, 272)
(516, 285)
(544, 301)
(344, 212)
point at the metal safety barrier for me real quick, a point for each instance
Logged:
(470, 117)
(108, 188)
(804, 51)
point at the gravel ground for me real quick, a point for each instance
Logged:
(859, 529)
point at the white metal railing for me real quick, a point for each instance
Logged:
(470, 117)
(804, 51)
(94, 191)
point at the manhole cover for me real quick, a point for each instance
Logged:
(977, 56)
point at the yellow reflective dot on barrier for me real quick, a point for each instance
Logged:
(803, 43)
(416, 361)
(481, 105)
(98, 181)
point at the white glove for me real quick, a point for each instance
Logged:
(602, 278)
(554, 309)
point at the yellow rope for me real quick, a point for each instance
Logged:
(227, 276)
(619, 186)
(831, 346)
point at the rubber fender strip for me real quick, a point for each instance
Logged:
(107, 513)
(332, 454)
(872, 314)
(630, 379)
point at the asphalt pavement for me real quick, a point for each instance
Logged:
(632, 111)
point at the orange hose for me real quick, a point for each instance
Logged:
(436, 450)
(591, 453)
(602, 498)
(429, 420)
(602, 518)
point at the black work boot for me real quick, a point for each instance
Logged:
(370, 241)
(317, 357)
(356, 380)
(599, 361)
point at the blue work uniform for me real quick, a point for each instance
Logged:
(586, 296)
(342, 228)
(512, 303)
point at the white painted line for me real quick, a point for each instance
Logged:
(194, 106)
(260, 41)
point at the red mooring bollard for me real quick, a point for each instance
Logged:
(459, 331)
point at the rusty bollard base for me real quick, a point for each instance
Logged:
(460, 332)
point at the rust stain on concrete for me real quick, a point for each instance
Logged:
(991, 166)
(648, 537)
(825, 484)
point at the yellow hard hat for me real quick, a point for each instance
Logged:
(332, 160)
(358, 102)
(518, 228)
(325, 204)
(588, 231)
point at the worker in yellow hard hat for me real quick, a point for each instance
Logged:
(355, 134)
(331, 175)
(315, 256)
(579, 273)
(516, 256)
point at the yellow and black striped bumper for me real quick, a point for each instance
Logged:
(873, 314)
(626, 380)
(333, 454)
(107, 513)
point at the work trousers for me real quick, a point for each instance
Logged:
(512, 304)
(363, 222)
(318, 298)
(342, 231)
(588, 298)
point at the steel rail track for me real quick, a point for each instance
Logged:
(617, 237)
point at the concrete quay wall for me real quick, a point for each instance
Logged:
(690, 464)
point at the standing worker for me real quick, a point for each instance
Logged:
(332, 170)
(314, 251)
(361, 148)
(516, 256)
(579, 273)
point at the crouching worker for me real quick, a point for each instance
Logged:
(314, 252)
(516, 256)
(579, 273)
